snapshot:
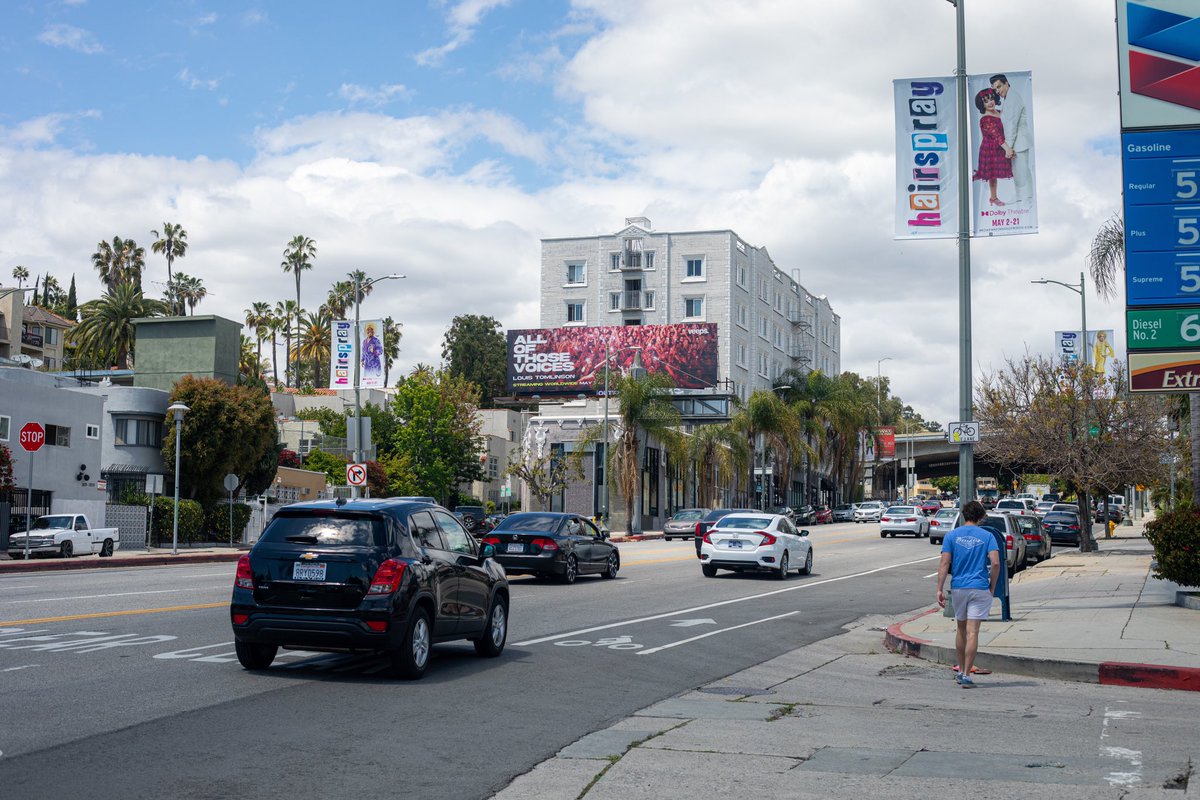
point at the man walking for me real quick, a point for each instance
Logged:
(971, 557)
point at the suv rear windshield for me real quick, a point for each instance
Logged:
(1010, 504)
(995, 523)
(354, 530)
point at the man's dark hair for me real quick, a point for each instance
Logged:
(1000, 76)
(973, 511)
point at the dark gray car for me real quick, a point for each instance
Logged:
(683, 524)
(1037, 539)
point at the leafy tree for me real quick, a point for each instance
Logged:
(474, 348)
(720, 454)
(330, 422)
(173, 244)
(946, 484)
(298, 257)
(20, 275)
(275, 324)
(105, 333)
(545, 474)
(289, 458)
(1066, 420)
(6, 473)
(333, 466)
(377, 480)
(438, 431)
(72, 305)
(248, 366)
(228, 429)
(121, 261)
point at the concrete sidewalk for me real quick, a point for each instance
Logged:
(155, 556)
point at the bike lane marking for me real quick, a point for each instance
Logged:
(720, 603)
(668, 646)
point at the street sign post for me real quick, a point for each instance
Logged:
(154, 487)
(356, 474)
(33, 436)
(231, 483)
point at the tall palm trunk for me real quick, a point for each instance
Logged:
(297, 322)
(274, 359)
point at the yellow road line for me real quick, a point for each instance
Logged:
(100, 614)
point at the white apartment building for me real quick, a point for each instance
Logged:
(766, 321)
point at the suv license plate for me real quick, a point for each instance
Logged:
(308, 572)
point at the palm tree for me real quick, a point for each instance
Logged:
(285, 310)
(249, 364)
(173, 244)
(719, 453)
(364, 284)
(315, 342)
(52, 293)
(765, 414)
(341, 296)
(1106, 262)
(189, 290)
(20, 275)
(274, 325)
(391, 345)
(106, 330)
(821, 403)
(122, 261)
(258, 316)
(297, 257)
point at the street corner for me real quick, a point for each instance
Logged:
(910, 636)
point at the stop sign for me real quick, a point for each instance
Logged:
(33, 436)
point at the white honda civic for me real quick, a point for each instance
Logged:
(748, 542)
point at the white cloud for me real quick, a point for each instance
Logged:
(254, 17)
(41, 131)
(205, 19)
(70, 37)
(378, 96)
(462, 19)
(192, 82)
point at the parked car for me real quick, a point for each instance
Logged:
(1038, 546)
(756, 542)
(869, 511)
(64, 535)
(548, 543)
(804, 515)
(474, 518)
(931, 506)
(382, 576)
(1052, 497)
(822, 515)
(1011, 505)
(1114, 514)
(942, 523)
(1014, 540)
(844, 512)
(1070, 507)
(1043, 508)
(683, 524)
(710, 519)
(903, 519)
(1063, 527)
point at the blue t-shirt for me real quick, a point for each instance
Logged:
(968, 547)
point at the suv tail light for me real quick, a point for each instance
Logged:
(1008, 538)
(547, 545)
(245, 578)
(387, 577)
(767, 538)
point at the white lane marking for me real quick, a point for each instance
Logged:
(99, 596)
(1126, 777)
(714, 633)
(191, 652)
(931, 575)
(718, 604)
(690, 623)
(23, 666)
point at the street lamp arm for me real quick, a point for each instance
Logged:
(1071, 286)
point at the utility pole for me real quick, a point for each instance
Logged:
(966, 452)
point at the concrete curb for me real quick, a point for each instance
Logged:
(1188, 600)
(58, 564)
(637, 537)
(1109, 673)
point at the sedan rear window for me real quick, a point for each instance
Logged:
(1062, 516)
(901, 510)
(543, 523)
(745, 523)
(327, 529)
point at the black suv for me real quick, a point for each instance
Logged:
(474, 518)
(380, 576)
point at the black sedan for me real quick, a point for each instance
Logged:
(382, 576)
(564, 546)
(1063, 527)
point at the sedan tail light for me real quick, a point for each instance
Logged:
(1072, 527)
(707, 540)
(885, 519)
(492, 540)
(387, 577)
(910, 519)
(546, 545)
(767, 538)
(245, 578)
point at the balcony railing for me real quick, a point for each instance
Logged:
(631, 260)
(31, 339)
(636, 301)
(802, 354)
(801, 319)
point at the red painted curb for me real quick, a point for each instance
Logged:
(903, 643)
(57, 565)
(1150, 676)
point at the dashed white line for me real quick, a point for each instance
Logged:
(714, 633)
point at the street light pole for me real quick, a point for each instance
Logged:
(358, 439)
(1080, 290)
(966, 452)
(179, 409)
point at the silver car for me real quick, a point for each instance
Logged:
(903, 519)
(1015, 545)
(870, 511)
(844, 512)
(942, 523)
(683, 524)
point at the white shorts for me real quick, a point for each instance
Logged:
(971, 603)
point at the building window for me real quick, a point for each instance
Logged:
(135, 432)
(91, 431)
(695, 267)
(5, 424)
(741, 315)
(762, 364)
(778, 340)
(693, 307)
(741, 354)
(614, 261)
(741, 275)
(633, 253)
(574, 312)
(648, 256)
(58, 435)
(614, 301)
(51, 335)
(762, 327)
(575, 273)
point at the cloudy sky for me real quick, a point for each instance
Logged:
(444, 138)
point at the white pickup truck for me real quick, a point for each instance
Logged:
(65, 535)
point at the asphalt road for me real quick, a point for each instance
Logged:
(123, 683)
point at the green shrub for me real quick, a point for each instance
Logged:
(1176, 539)
(191, 520)
(217, 521)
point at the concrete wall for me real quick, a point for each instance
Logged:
(170, 347)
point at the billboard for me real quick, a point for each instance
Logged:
(1002, 184)
(926, 158)
(571, 360)
(885, 442)
(345, 349)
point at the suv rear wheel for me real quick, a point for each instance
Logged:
(255, 656)
(412, 658)
(491, 643)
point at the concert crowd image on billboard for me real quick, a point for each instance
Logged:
(571, 360)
